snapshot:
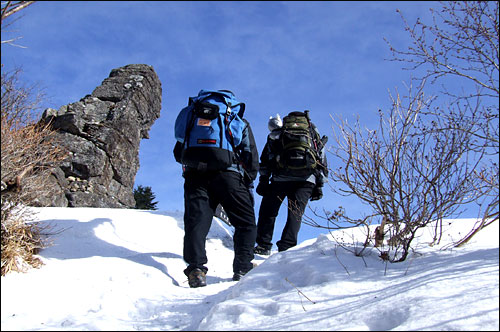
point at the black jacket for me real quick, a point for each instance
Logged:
(248, 155)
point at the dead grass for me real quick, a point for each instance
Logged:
(21, 242)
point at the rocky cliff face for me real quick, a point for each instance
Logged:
(102, 133)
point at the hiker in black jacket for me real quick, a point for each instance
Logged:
(231, 187)
(279, 180)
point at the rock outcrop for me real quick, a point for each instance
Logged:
(102, 133)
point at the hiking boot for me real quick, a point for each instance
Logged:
(261, 251)
(237, 275)
(197, 278)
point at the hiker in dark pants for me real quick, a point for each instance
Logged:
(205, 189)
(202, 193)
(298, 194)
(278, 181)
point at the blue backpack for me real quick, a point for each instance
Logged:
(208, 130)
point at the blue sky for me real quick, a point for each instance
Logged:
(277, 57)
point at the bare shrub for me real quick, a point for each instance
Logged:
(426, 162)
(409, 176)
(461, 44)
(29, 153)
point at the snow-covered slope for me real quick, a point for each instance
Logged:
(115, 269)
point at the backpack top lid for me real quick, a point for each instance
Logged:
(225, 96)
(296, 120)
(298, 114)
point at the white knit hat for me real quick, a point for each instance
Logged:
(274, 122)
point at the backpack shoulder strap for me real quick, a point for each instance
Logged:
(314, 133)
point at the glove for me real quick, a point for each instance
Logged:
(316, 194)
(263, 187)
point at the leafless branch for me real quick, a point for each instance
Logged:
(9, 8)
(12, 7)
(300, 292)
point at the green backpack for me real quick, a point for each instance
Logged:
(297, 145)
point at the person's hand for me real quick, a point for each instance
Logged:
(316, 194)
(263, 187)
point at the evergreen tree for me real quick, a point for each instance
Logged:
(144, 198)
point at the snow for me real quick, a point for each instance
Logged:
(118, 269)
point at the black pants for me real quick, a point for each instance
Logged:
(298, 194)
(202, 193)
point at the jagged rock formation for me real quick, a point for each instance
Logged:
(102, 133)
